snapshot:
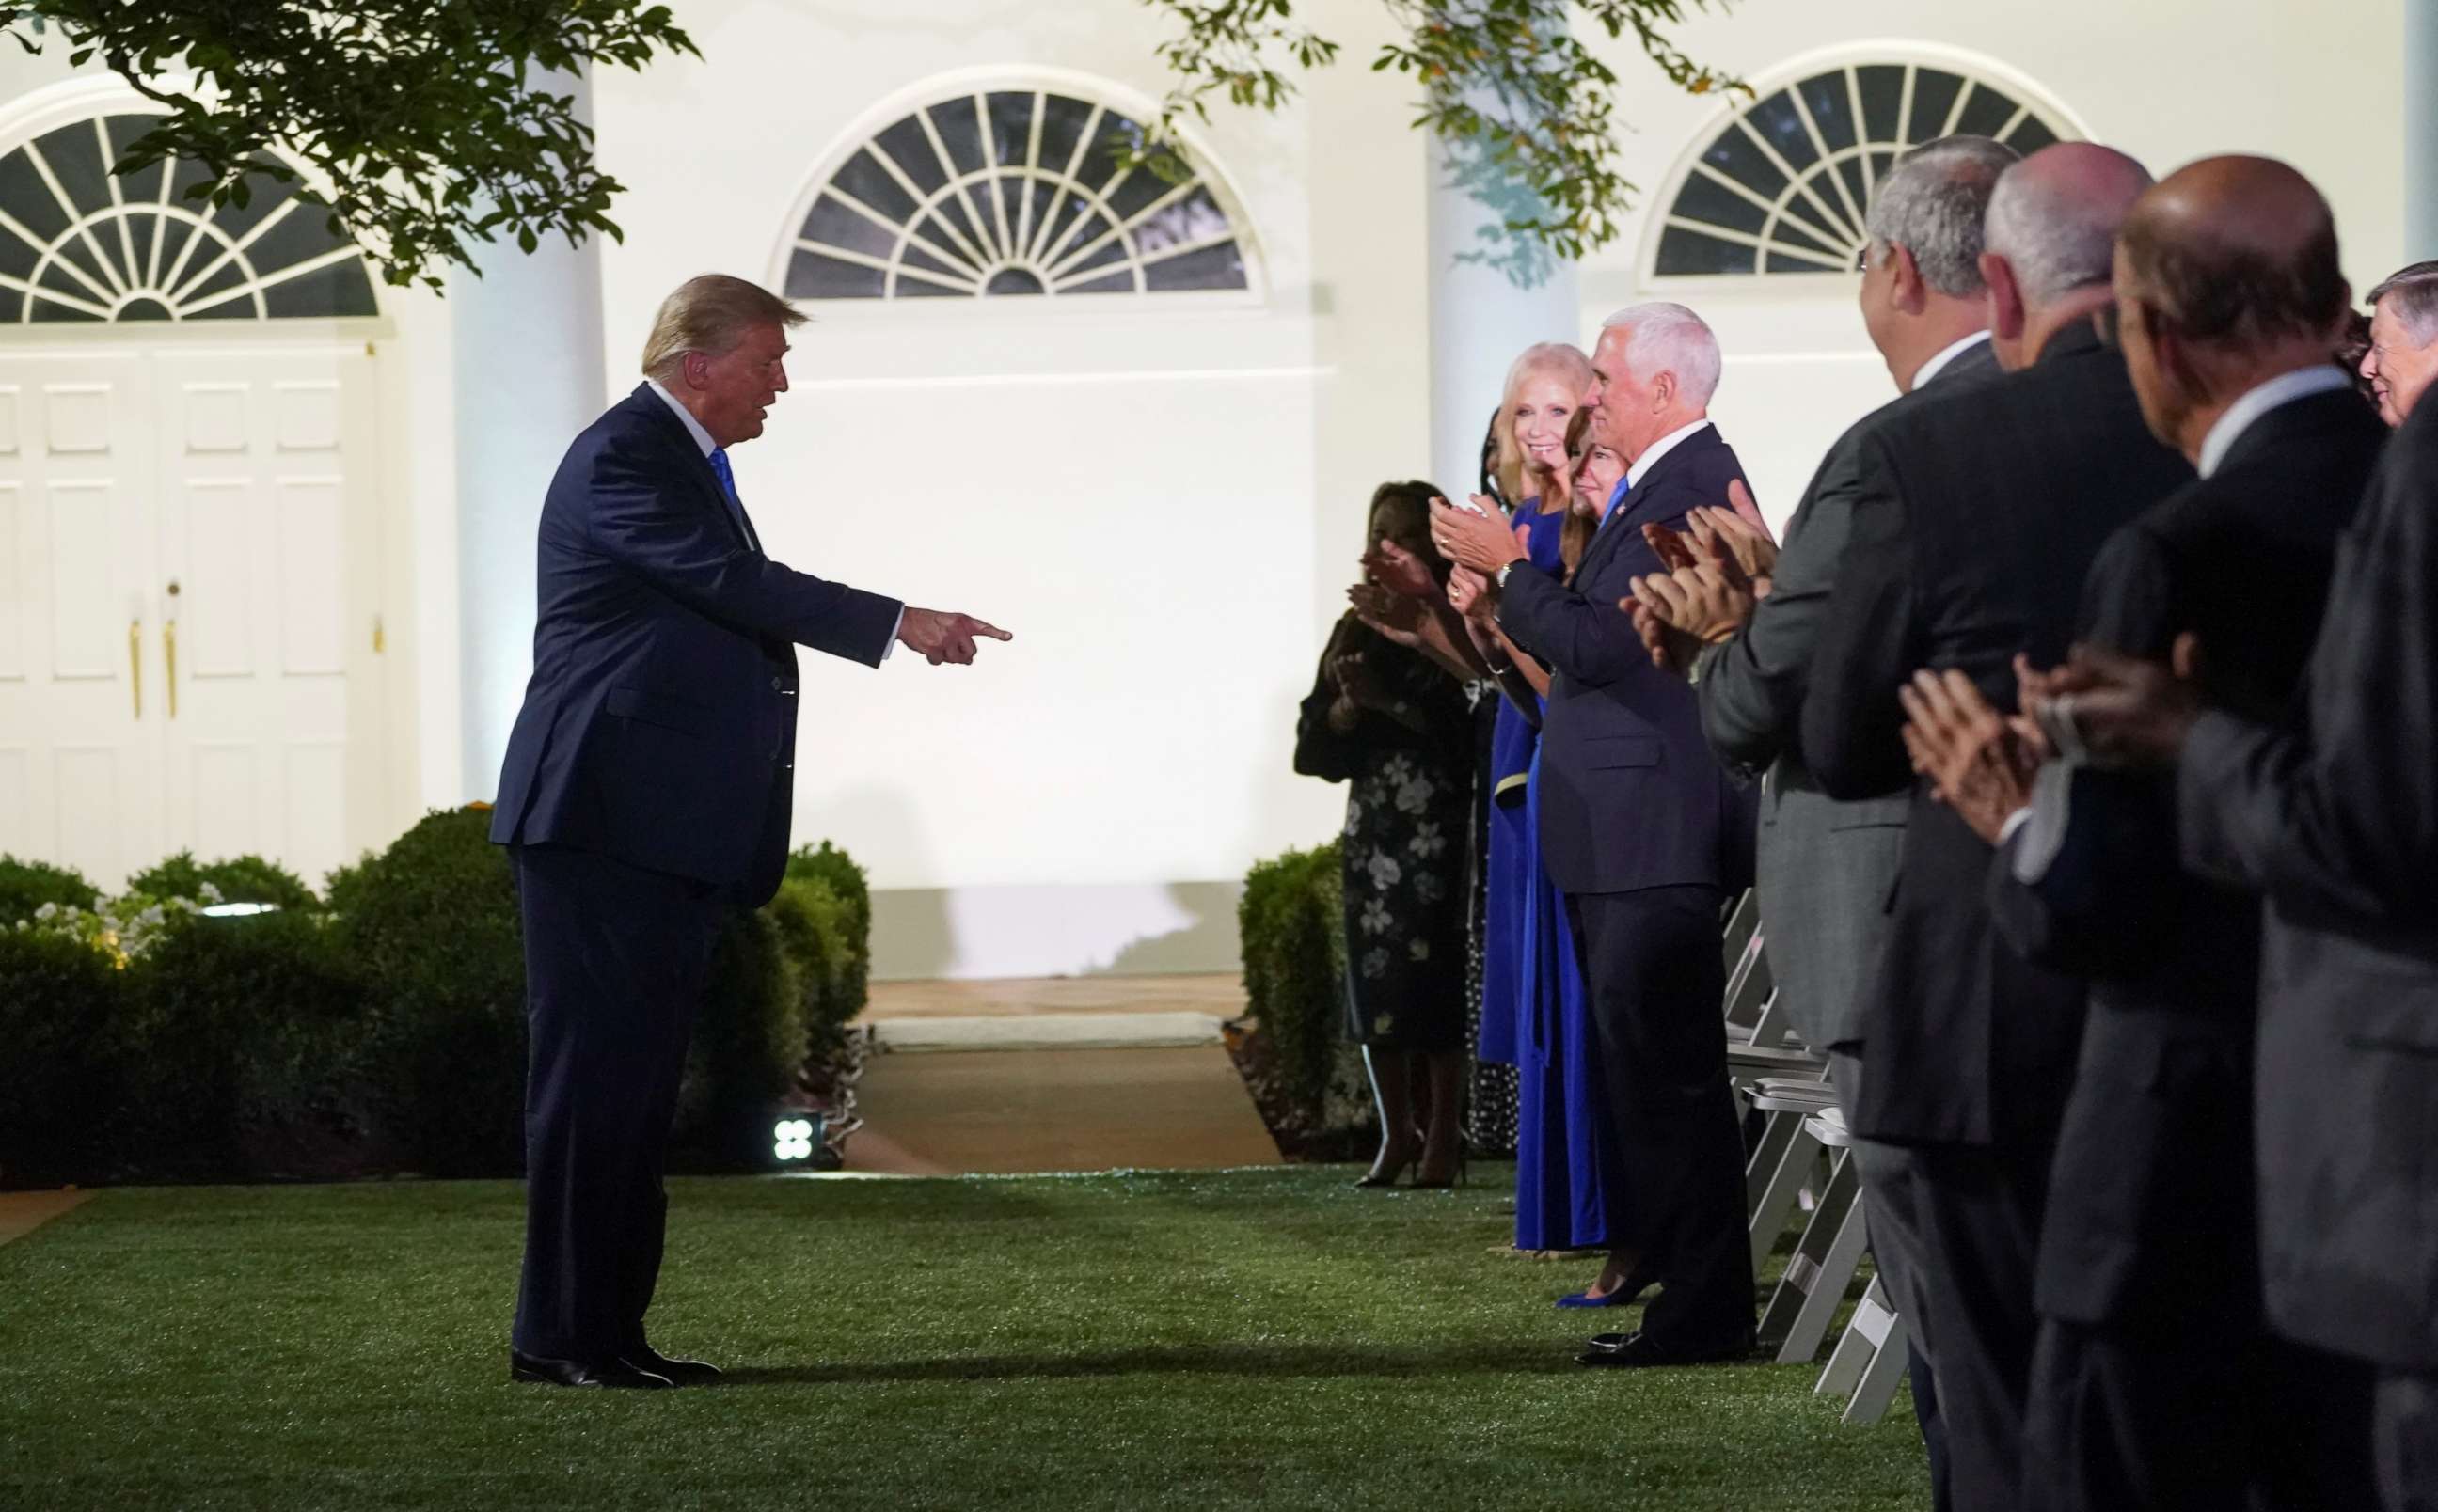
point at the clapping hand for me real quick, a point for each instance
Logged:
(1400, 570)
(1469, 593)
(1475, 538)
(1980, 763)
(1672, 649)
(943, 638)
(2123, 711)
(1393, 615)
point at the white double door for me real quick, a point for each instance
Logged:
(189, 641)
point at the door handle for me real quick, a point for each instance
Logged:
(136, 663)
(169, 645)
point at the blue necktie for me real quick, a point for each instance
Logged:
(728, 487)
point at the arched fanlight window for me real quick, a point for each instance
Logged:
(1006, 192)
(79, 243)
(1782, 187)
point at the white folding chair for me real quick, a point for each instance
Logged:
(1783, 1158)
(1870, 1360)
(1826, 1259)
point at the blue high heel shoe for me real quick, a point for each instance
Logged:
(1625, 1295)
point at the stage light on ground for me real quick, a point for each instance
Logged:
(794, 1139)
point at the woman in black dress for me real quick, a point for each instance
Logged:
(1397, 727)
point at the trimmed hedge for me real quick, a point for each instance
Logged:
(430, 926)
(26, 886)
(239, 879)
(249, 1037)
(64, 1019)
(386, 1034)
(1292, 922)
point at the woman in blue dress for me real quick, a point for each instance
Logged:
(1533, 1014)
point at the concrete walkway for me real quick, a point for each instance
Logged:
(1090, 1074)
(21, 1213)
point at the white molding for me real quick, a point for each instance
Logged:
(1019, 78)
(40, 112)
(1791, 71)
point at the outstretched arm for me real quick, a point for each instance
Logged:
(682, 550)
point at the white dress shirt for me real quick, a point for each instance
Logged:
(702, 440)
(1948, 353)
(1641, 466)
(2281, 390)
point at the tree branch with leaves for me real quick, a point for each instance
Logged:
(422, 120)
(1521, 104)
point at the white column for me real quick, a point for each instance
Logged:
(2420, 129)
(1481, 317)
(528, 376)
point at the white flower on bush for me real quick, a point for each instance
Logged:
(1375, 917)
(1385, 871)
(47, 913)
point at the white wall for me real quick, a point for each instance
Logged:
(2168, 81)
(1134, 487)
(1165, 502)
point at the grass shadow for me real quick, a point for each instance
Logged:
(1257, 1360)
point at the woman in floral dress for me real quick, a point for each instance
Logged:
(1397, 727)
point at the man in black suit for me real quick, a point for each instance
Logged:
(2332, 813)
(1646, 836)
(1979, 514)
(646, 789)
(2156, 1381)
(1826, 867)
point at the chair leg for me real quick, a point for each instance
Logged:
(1778, 1195)
(1816, 1279)
(1878, 1388)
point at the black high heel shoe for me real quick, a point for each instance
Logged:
(1457, 1180)
(1387, 1177)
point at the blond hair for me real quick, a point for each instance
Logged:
(1551, 360)
(710, 313)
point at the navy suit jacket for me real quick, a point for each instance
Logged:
(1631, 796)
(659, 725)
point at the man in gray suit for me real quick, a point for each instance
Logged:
(1824, 868)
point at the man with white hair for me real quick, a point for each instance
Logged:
(1978, 514)
(1647, 836)
(2402, 354)
(1826, 867)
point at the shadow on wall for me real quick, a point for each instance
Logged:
(1150, 929)
(912, 939)
(1208, 943)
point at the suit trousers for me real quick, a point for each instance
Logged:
(615, 961)
(2407, 1438)
(1980, 1210)
(1891, 1210)
(1653, 972)
(2126, 1418)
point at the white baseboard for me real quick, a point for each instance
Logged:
(1147, 929)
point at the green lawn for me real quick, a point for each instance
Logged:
(1192, 1340)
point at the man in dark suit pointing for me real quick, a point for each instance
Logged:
(646, 789)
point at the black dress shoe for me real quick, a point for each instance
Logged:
(684, 1372)
(1636, 1351)
(538, 1371)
